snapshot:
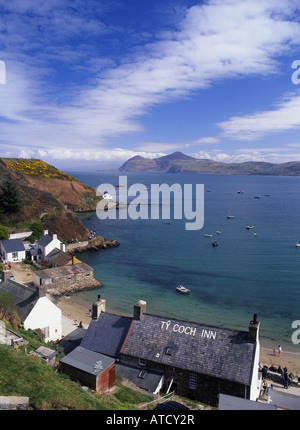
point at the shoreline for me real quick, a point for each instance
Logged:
(78, 311)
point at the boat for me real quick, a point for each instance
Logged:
(230, 216)
(241, 192)
(249, 227)
(297, 245)
(257, 197)
(215, 243)
(168, 222)
(218, 232)
(208, 235)
(182, 289)
(119, 185)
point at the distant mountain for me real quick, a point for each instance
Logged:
(181, 163)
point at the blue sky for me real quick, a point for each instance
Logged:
(91, 83)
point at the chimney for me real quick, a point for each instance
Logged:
(254, 329)
(41, 291)
(63, 247)
(139, 309)
(5, 275)
(98, 307)
(45, 232)
(54, 237)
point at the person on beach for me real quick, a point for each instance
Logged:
(286, 380)
(279, 350)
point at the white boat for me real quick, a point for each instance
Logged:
(182, 289)
(297, 245)
(230, 216)
(208, 235)
(249, 227)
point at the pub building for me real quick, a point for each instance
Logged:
(161, 354)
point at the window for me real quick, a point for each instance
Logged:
(169, 350)
(142, 362)
(193, 380)
(14, 255)
(142, 374)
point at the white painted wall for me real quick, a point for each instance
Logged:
(9, 255)
(20, 235)
(256, 381)
(45, 314)
(55, 243)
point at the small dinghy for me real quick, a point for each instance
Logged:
(182, 289)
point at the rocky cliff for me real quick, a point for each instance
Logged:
(47, 195)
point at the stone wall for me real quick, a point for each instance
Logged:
(72, 284)
(14, 403)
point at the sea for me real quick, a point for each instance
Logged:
(251, 271)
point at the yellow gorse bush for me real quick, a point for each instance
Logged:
(36, 168)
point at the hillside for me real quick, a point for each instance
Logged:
(46, 194)
(181, 163)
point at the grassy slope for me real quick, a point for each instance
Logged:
(24, 375)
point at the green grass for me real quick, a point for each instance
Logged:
(24, 375)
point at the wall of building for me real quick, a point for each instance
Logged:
(207, 387)
(67, 284)
(100, 383)
(106, 379)
(45, 314)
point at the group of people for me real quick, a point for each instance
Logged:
(7, 265)
(92, 235)
(286, 378)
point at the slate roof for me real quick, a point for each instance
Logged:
(13, 245)
(24, 297)
(60, 272)
(59, 257)
(87, 361)
(44, 240)
(149, 381)
(107, 334)
(222, 353)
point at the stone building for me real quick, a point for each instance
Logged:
(66, 279)
(194, 360)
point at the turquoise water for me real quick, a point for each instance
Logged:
(245, 274)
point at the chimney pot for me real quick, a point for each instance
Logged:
(139, 309)
(253, 329)
(98, 307)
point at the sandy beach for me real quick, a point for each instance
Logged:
(76, 311)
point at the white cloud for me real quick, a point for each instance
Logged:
(247, 37)
(285, 116)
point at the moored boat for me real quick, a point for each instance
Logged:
(182, 289)
(249, 227)
(215, 243)
(208, 235)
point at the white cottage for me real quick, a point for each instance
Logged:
(44, 245)
(13, 250)
(35, 309)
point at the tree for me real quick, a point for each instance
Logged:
(10, 199)
(4, 232)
